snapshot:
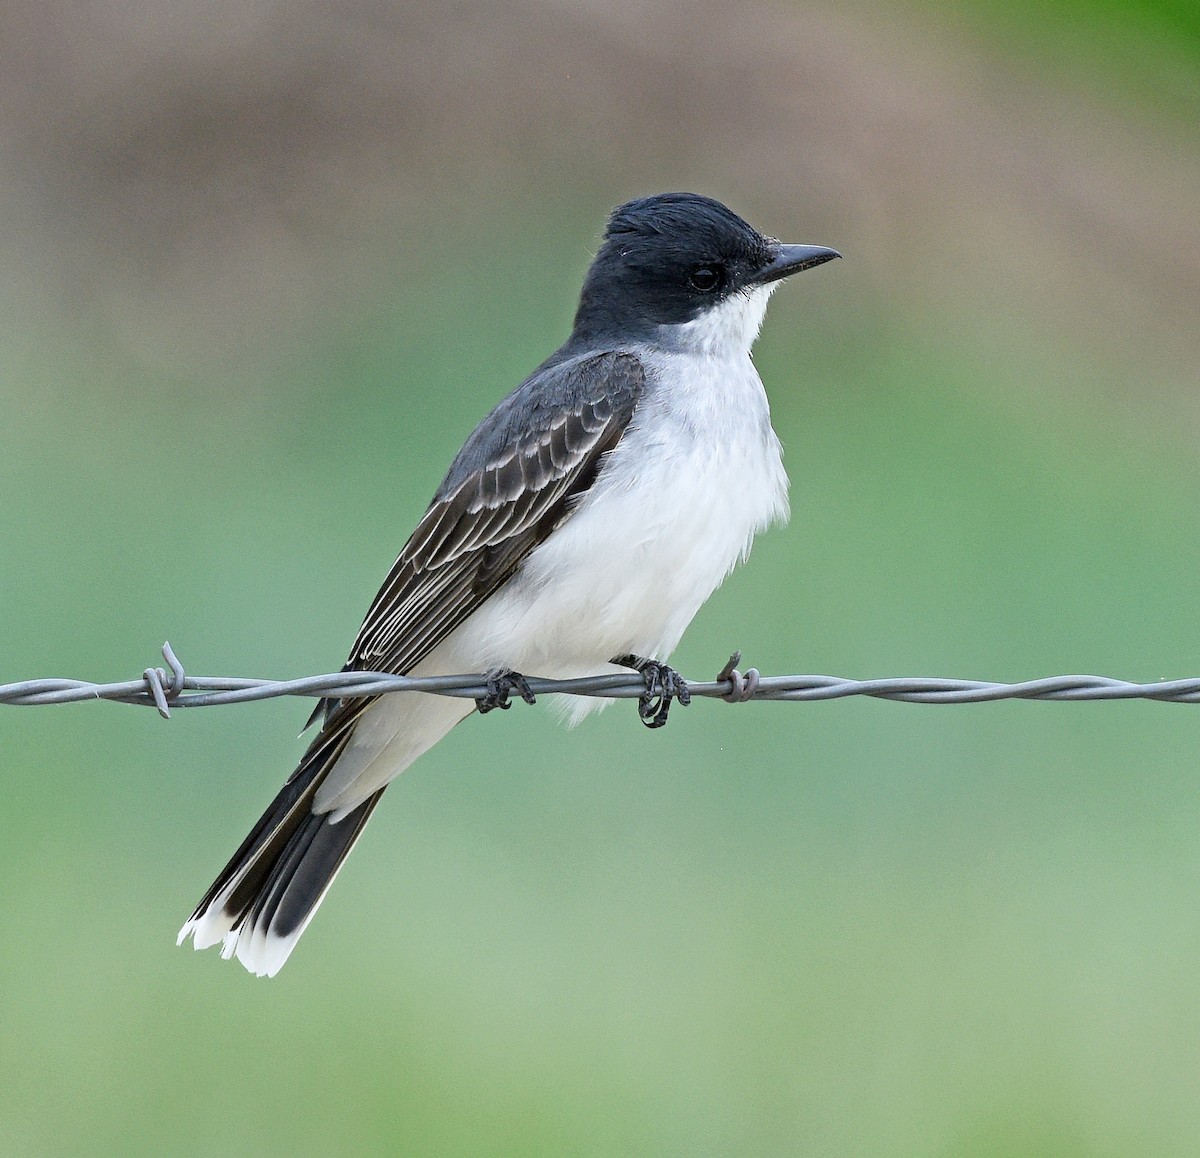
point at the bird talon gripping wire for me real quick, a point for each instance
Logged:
(663, 684)
(501, 682)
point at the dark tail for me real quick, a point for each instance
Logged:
(268, 892)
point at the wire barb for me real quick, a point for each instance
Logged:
(172, 687)
(741, 687)
(154, 677)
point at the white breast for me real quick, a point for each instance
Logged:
(675, 507)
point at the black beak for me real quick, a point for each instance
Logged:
(789, 259)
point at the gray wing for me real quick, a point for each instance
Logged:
(516, 478)
(512, 483)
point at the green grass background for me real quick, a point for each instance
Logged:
(842, 928)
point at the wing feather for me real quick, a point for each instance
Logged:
(515, 480)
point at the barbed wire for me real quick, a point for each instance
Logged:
(163, 689)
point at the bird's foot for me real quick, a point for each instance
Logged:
(663, 684)
(501, 682)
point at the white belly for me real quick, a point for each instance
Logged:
(673, 510)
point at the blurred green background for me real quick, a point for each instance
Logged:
(262, 267)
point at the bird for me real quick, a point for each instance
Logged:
(579, 529)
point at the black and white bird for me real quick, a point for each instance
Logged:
(585, 521)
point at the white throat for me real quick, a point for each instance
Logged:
(727, 330)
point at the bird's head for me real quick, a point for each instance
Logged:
(682, 269)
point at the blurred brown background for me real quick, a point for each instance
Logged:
(223, 168)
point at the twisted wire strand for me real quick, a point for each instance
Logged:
(164, 689)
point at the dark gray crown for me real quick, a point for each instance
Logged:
(664, 260)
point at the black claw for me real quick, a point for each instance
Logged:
(663, 684)
(501, 682)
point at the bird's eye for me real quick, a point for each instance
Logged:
(706, 278)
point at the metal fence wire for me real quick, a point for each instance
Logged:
(172, 687)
